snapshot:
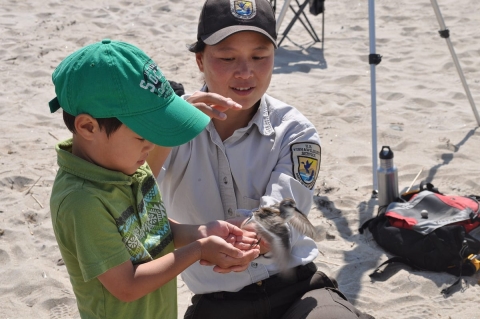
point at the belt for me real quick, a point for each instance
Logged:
(298, 274)
(267, 286)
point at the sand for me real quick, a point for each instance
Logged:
(423, 115)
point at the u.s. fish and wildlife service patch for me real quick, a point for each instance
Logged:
(306, 158)
(243, 9)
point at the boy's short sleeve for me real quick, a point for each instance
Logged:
(88, 231)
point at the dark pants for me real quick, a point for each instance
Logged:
(307, 293)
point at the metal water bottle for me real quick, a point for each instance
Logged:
(387, 175)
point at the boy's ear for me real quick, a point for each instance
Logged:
(86, 126)
(199, 58)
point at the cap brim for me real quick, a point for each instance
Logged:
(54, 105)
(171, 125)
(221, 34)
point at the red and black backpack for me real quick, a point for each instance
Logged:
(428, 230)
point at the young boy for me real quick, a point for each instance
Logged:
(109, 220)
(258, 154)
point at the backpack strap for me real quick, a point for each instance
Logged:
(395, 259)
(407, 262)
(428, 187)
(447, 290)
(423, 187)
(365, 225)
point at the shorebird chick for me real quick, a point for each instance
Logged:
(271, 224)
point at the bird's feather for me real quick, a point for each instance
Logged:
(297, 219)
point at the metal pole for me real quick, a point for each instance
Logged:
(374, 59)
(444, 33)
(286, 4)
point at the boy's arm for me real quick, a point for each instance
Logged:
(239, 238)
(128, 282)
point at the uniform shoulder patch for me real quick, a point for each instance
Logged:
(306, 158)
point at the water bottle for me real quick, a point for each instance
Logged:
(387, 175)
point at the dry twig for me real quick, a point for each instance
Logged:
(51, 134)
(421, 170)
(33, 185)
(38, 202)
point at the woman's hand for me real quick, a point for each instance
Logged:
(212, 104)
(249, 229)
(236, 237)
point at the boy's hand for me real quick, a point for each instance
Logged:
(232, 234)
(227, 258)
(212, 104)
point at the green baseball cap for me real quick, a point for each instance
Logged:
(116, 79)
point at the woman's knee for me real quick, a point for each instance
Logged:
(325, 304)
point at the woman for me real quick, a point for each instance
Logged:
(255, 152)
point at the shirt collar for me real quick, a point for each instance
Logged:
(89, 171)
(262, 118)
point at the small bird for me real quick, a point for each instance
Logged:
(271, 224)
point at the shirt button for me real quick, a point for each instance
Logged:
(230, 212)
(225, 181)
(254, 265)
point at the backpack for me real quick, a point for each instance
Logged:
(428, 230)
(316, 6)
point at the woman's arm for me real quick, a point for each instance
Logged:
(211, 104)
(157, 157)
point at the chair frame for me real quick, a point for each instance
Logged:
(299, 14)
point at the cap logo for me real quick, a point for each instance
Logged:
(243, 9)
(154, 80)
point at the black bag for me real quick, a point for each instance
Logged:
(429, 231)
(316, 6)
(177, 88)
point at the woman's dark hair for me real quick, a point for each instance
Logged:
(110, 124)
(197, 47)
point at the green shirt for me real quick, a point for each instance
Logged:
(101, 219)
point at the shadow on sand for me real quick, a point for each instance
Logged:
(298, 59)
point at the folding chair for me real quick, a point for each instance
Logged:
(299, 15)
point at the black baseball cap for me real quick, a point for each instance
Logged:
(222, 18)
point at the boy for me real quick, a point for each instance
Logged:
(259, 154)
(109, 220)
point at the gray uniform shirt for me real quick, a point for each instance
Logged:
(276, 156)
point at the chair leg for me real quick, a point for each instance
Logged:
(323, 27)
(307, 25)
(273, 3)
(309, 29)
(292, 22)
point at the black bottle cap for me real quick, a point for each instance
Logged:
(386, 153)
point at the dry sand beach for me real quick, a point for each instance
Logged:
(423, 114)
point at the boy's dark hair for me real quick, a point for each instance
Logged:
(110, 124)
